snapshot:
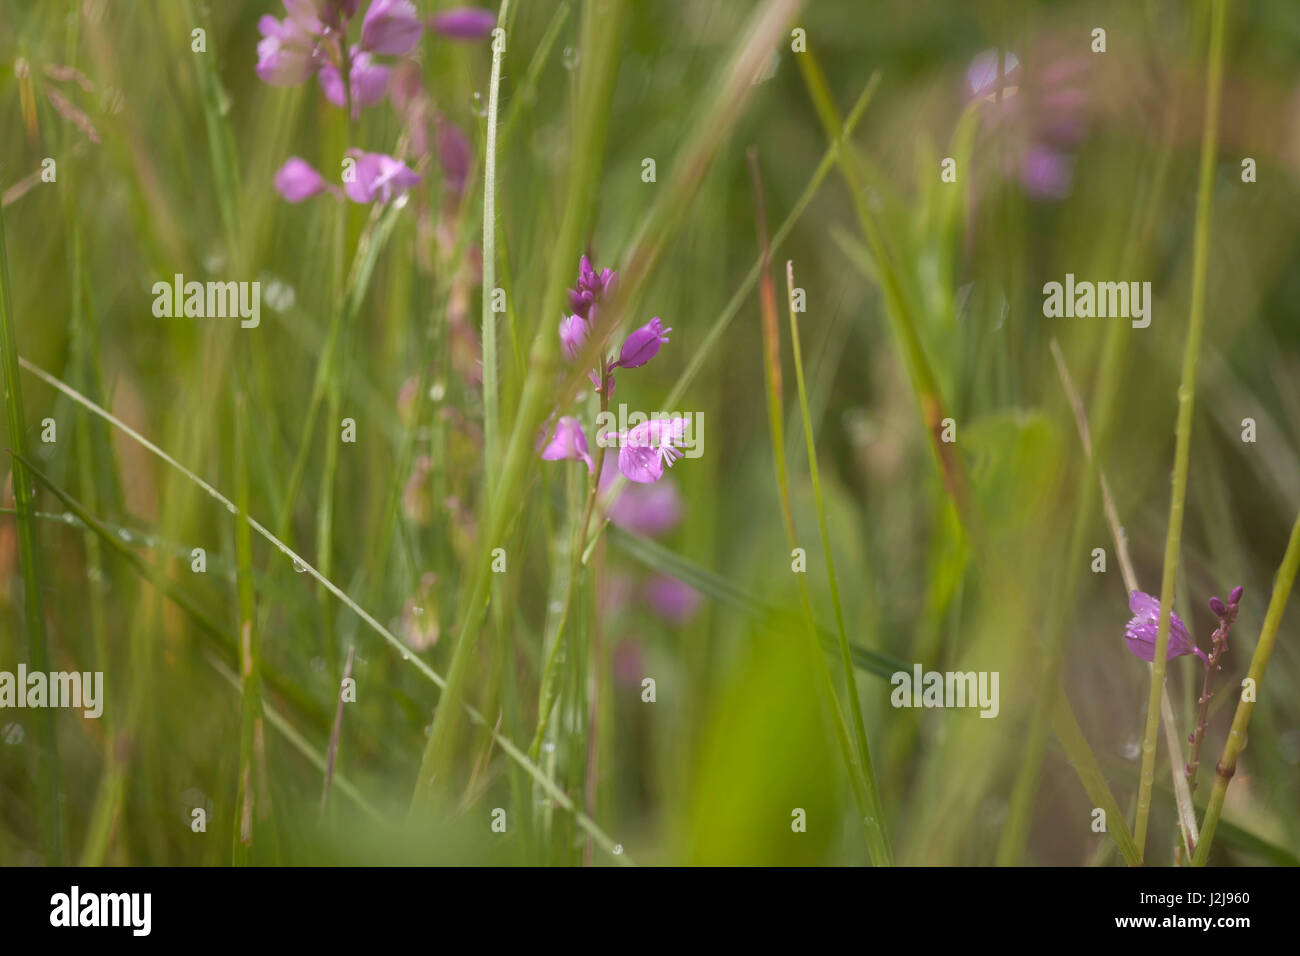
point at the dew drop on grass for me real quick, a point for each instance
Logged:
(1131, 749)
(618, 849)
(299, 566)
(13, 734)
(548, 746)
(570, 58)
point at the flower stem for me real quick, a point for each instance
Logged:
(1241, 719)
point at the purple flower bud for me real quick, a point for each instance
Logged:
(592, 286)
(1217, 607)
(378, 177)
(1140, 633)
(296, 180)
(464, 23)
(1235, 597)
(568, 441)
(391, 27)
(642, 345)
(369, 81)
(573, 334)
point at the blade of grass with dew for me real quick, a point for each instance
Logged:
(861, 783)
(1232, 747)
(850, 679)
(547, 784)
(1186, 404)
(29, 558)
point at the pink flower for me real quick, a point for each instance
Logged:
(378, 177)
(296, 180)
(369, 81)
(649, 510)
(391, 27)
(573, 334)
(642, 345)
(288, 53)
(673, 600)
(464, 23)
(646, 448)
(568, 441)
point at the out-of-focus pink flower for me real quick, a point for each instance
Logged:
(288, 52)
(673, 600)
(378, 177)
(369, 81)
(1046, 173)
(391, 27)
(464, 23)
(645, 509)
(568, 441)
(296, 180)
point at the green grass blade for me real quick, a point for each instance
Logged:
(29, 557)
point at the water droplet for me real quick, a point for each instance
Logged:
(299, 566)
(12, 734)
(417, 610)
(555, 607)
(548, 746)
(406, 656)
(1131, 749)
(569, 58)
(618, 849)
(124, 534)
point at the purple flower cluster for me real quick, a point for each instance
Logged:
(646, 448)
(312, 40)
(1040, 115)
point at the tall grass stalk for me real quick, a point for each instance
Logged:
(29, 558)
(1186, 404)
(846, 660)
(862, 785)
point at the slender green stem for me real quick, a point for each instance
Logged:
(1186, 403)
(1232, 747)
(33, 610)
(846, 658)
